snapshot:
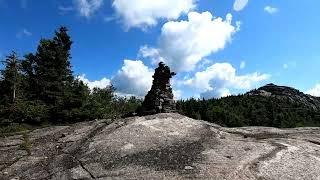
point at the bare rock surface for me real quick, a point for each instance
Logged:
(162, 146)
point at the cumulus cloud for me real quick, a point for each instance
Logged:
(146, 13)
(103, 83)
(219, 78)
(88, 7)
(271, 10)
(240, 4)
(23, 33)
(134, 78)
(314, 91)
(152, 53)
(183, 44)
(177, 94)
(215, 93)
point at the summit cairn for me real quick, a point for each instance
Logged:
(160, 98)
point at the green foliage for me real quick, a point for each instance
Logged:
(99, 104)
(13, 128)
(123, 106)
(104, 104)
(41, 89)
(52, 69)
(31, 112)
(10, 79)
(246, 110)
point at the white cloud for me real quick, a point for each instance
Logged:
(216, 93)
(183, 44)
(242, 64)
(219, 78)
(204, 63)
(314, 91)
(110, 18)
(152, 53)
(289, 65)
(271, 10)
(146, 13)
(134, 78)
(177, 94)
(238, 25)
(65, 9)
(88, 7)
(103, 83)
(240, 4)
(23, 33)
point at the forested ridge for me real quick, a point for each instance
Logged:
(40, 88)
(269, 105)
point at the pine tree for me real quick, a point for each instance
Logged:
(11, 79)
(29, 83)
(52, 69)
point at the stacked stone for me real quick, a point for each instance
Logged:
(160, 98)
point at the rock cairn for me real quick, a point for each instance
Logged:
(160, 98)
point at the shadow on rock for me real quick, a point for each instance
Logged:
(175, 157)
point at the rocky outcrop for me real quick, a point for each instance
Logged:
(288, 93)
(162, 146)
(160, 98)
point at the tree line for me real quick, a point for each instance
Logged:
(251, 110)
(41, 88)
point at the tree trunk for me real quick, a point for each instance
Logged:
(14, 93)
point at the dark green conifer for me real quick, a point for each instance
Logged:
(52, 69)
(10, 79)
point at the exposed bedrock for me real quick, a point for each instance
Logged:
(162, 146)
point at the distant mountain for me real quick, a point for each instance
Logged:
(284, 92)
(270, 105)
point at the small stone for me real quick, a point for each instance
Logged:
(188, 167)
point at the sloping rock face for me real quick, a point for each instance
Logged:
(284, 92)
(160, 98)
(162, 146)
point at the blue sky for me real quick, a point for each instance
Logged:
(217, 47)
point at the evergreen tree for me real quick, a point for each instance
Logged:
(29, 83)
(10, 79)
(42, 88)
(75, 102)
(52, 68)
